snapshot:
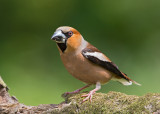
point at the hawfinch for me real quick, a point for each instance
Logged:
(85, 62)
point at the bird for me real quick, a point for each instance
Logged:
(85, 62)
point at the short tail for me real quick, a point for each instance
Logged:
(126, 81)
(136, 83)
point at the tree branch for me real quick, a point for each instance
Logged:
(112, 102)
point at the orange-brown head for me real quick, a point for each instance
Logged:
(67, 38)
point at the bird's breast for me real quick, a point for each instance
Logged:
(84, 70)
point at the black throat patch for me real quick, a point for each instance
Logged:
(62, 46)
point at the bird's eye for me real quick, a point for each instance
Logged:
(70, 33)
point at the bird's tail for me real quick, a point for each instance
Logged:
(127, 81)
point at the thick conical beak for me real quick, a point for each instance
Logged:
(59, 37)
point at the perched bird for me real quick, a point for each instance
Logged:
(85, 62)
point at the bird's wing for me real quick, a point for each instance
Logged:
(98, 58)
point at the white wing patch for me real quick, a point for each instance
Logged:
(98, 55)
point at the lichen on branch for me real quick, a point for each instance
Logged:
(112, 102)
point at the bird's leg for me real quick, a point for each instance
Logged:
(90, 94)
(78, 90)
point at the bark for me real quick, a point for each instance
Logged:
(112, 102)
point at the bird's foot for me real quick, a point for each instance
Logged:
(88, 96)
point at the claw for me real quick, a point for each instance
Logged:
(90, 94)
(86, 95)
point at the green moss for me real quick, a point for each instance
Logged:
(112, 102)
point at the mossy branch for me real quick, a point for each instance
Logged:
(112, 102)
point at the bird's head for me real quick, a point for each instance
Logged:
(67, 38)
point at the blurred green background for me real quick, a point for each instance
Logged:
(127, 31)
